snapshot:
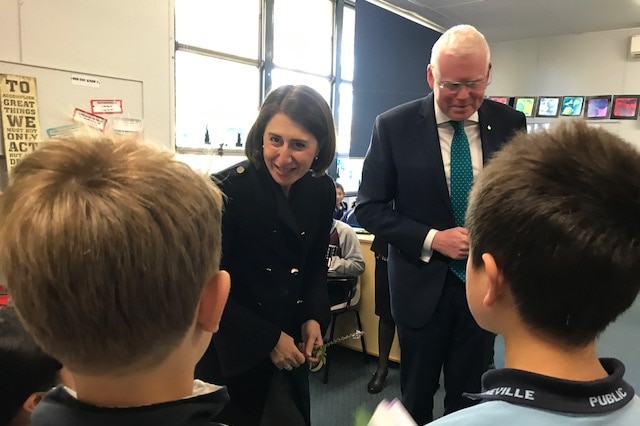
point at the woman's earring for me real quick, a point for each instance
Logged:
(316, 157)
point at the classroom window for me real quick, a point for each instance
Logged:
(280, 77)
(348, 43)
(214, 96)
(226, 61)
(345, 86)
(222, 26)
(303, 35)
(344, 118)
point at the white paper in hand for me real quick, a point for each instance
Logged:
(391, 414)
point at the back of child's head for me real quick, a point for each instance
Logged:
(107, 243)
(559, 211)
(24, 368)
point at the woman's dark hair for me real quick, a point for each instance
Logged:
(24, 367)
(306, 107)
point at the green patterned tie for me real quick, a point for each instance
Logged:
(461, 181)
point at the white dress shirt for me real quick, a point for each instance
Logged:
(445, 133)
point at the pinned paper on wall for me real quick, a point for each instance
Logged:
(500, 99)
(106, 106)
(63, 131)
(91, 120)
(572, 105)
(548, 106)
(525, 104)
(625, 107)
(597, 107)
(20, 117)
(123, 125)
(85, 80)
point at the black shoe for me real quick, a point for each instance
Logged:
(377, 382)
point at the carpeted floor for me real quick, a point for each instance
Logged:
(336, 403)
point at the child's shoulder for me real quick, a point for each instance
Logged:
(487, 413)
(491, 413)
(61, 407)
(535, 399)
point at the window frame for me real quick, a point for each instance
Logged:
(265, 64)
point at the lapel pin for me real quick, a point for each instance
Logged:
(488, 127)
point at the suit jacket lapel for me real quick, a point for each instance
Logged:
(429, 129)
(285, 214)
(489, 142)
(274, 201)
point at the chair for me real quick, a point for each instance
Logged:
(344, 295)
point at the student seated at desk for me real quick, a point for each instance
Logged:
(344, 255)
(341, 206)
(349, 217)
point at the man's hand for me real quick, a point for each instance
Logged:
(452, 242)
(286, 354)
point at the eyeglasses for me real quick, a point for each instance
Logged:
(456, 86)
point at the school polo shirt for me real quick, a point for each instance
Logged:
(525, 399)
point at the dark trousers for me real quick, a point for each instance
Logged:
(264, 396)
(452, 342)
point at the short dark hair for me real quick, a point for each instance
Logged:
(559, 211)
(24, 367)
(306, 107)
(339, 186)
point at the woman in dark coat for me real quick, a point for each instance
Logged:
(275, 235)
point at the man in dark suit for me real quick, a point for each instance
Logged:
(423, 156)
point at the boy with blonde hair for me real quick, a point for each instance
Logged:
(554, 247)
(111, 250)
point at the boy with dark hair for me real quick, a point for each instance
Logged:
(554, 247)
(26, 372)
(111, 250)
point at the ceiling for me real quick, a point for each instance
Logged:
(503, 20)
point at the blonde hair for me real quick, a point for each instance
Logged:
(106, 245)
(460, 40)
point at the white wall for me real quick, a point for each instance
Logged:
(587, 64)
(130, 39)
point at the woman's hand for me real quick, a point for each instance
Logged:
(311, 338)
(286, 354)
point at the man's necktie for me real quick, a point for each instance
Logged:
(461, 181)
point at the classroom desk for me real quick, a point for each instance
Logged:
(346, 323)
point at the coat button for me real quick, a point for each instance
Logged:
(294, 271)
(240, 170)
(268, 269)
